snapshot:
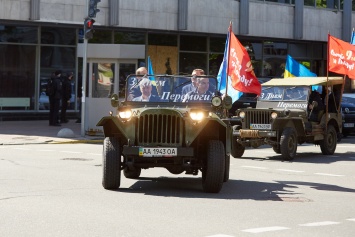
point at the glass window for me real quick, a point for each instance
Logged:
(62, 36)
(18, 34)
(193, 43)
(214, 63)
(190, 61)
(52, 59)
(162, 39)
(103, 79)
(102, 37)
(17, 76)
(128, 38)
(217, 45)
(298, 50)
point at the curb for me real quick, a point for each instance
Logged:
(77, 142)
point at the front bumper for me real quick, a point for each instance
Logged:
(252, 133)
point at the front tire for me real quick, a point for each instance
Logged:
(329, 143)
(227, 169)
(214, 167)
(111, 163)
(288, 143)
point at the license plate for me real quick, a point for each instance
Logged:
(157, 152)
(348, 125)
(260, 126)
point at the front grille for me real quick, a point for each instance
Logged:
(256, 117)
(160, 129)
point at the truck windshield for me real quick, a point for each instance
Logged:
(284, 93)
(164, 89)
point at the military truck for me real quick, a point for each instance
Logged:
(281, 118)
(158, 126)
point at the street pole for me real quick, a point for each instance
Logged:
(84, 77)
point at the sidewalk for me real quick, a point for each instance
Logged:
(39, 132)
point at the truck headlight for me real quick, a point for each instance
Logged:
(242, 114)
(125, 114)
(274, 115)
(197, 115)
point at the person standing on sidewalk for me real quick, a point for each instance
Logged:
(54, 99)
(66, 95)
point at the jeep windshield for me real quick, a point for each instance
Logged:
(284, 93)
(165, 89)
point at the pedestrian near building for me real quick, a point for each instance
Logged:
(79, 93)
(54, 99)
(66, 95)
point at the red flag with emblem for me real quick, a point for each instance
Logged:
(341, 57)
(240, 68)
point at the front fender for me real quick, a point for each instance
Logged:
(113, 127)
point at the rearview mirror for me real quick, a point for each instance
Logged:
(114, 100)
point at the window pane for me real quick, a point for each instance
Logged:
(217, 45)
(162, 39)
(190, 61)
(215, 61)
(193, 43)
(129, 38)
(102, 37)
(63, 36)
(18, 34)
(17, 76)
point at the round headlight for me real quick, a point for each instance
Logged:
(242, 114)
(216, 101)
(273, 115)
(197, 115)
(125, 114)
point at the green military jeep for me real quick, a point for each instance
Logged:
(282, 115)
(157, 125)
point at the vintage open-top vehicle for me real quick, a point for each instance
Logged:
(180, 132)
(282, 116)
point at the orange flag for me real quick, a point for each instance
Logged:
(341, 57)
(240, 68)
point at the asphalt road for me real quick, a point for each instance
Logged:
(55, 190)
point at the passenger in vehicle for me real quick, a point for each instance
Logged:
(134, 90)
(145, 86)
(201, 93)
(192, 87)
(315, 107)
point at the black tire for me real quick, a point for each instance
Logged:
(132, 173)
(214, 167)
(276, 149)
(111, 163)
(237, 149)
(226, 169)
(288, 143)
(329, 143)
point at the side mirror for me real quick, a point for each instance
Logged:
(114, 100)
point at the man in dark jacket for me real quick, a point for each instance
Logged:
(54, 99)
(66, 95)
(315, 106)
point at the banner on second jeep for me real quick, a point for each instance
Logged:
(240, 68)
(341, 57)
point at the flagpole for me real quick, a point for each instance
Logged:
(326, 88)
(229, 45)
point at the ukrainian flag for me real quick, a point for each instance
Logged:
(295, 69)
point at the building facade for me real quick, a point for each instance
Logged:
(38, 37)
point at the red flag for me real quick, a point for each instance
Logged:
(341, 57)
(240, 68)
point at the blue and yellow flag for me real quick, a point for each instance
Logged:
(295, 69)
(150, 71)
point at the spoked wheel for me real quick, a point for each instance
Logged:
(132, 173)
(214, 167)
(329, 143)
(111, 163)
(288, 143)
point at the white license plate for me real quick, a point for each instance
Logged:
(260, 126)
(157, 152)
(348, 125)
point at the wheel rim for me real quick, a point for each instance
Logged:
(291, 144)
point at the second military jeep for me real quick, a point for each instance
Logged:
(168, 129)
(281, 117)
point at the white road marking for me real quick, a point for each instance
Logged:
(220, 235)
(295, 171)
(265, 229)
(353, 219)
(95, 154)
(45, 150)
(271, 152)
(254, 167)
(343, 146)
(74, 152)
(334, 175)
(24, 149)
(323, 223)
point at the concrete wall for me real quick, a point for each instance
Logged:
(267, 19)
